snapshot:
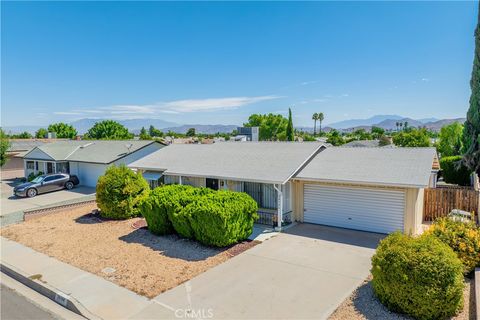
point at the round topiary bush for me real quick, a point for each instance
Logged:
(421, 277)
(222, 218)
(119, 191)
(462, 237)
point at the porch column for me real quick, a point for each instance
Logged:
(179, 179)
(25, 167)
(279, 205)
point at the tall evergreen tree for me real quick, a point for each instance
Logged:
(290, 136)
(315, 118)
(471, 133)
(320, 118)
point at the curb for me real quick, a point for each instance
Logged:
(48, 291)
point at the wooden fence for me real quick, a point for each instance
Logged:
(439, 202)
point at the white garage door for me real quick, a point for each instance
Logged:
(375, 210)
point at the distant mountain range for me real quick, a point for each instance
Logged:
(388, 122)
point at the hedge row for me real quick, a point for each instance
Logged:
(217, 218)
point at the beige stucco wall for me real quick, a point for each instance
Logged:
(413, 216)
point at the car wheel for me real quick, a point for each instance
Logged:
(69, 185)
(31, 193)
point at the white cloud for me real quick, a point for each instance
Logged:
(195, 105)
(170, 107)
(425, 79)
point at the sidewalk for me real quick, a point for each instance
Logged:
(97, 296)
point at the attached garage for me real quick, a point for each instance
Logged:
(367, 209)
(369, 189)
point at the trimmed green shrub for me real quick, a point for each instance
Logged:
(222, 218)
(32, 175)
(452, 174)
(154, 209)
(421, 277)
(181, 197)
(119, 191)
(462, 237)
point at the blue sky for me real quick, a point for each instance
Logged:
(211, 62)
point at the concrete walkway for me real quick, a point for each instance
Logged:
(304, 273)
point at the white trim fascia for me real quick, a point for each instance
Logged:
(364, 183)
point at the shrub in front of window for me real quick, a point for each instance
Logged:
(462, 237)
(222, 218)
(454, 174)
(182, 197)
(421, 277)
(119, 192)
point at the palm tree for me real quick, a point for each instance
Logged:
(321, 117)
(401, 125)
(315, 118)
(397, 124)
(405, 125)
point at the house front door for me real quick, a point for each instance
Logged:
(212, 183)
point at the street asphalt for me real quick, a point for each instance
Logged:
(15, 306)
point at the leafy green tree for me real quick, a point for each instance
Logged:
(320, 118)
(289, 130)
(41, 133)
(144, 134)
(471, 135)
(450, 140)
(63, 130)
(108, 130)
(271, 126)
(335, 138)
(154, 132)
(190, 132)
(377, 132)
(22, 135)
(4, 145)
(413, 138)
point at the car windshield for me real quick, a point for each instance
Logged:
(38, 179)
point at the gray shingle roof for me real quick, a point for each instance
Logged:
(95, 151)
(407, 167)
(269, 162)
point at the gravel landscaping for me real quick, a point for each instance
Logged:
(119, 251)
(362, 304)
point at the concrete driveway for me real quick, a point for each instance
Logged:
(10, 203)
(304, 273)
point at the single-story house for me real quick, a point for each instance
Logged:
(88, 159)
(262, 169)
(370, 189)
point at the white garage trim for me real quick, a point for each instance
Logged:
(368, 209)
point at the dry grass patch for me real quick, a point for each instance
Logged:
(132, 258)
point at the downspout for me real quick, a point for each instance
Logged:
(279, 206)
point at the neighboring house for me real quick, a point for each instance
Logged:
(370, 189)
(261, 169)
(17, 149)
(88, 159)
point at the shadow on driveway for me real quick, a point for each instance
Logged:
(339, 235)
